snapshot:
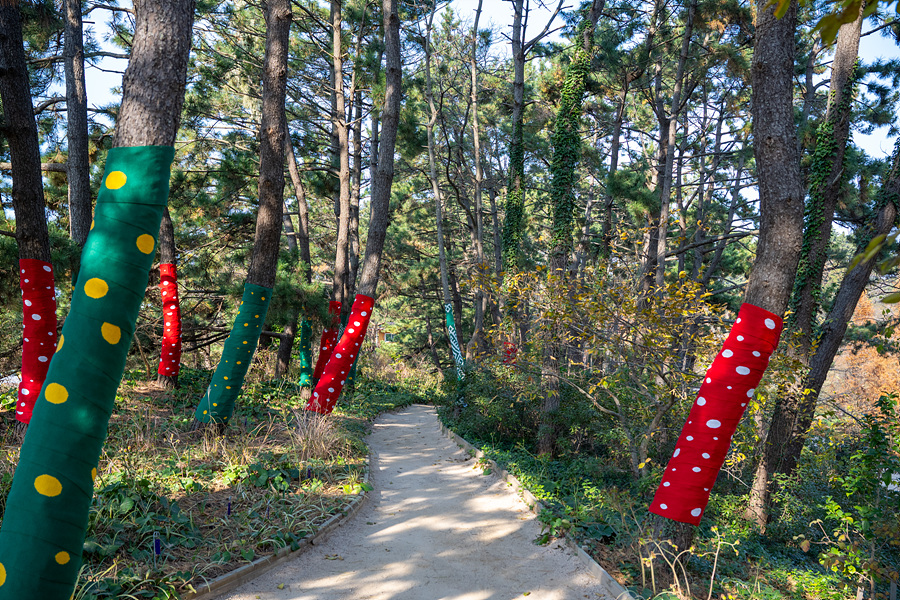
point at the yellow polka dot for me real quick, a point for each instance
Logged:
(246, 324)
(263, 297)
(59, 345)
(226, 378)
(146, 243)
(204, 412)
(92, 224)
(93, 474)
(47, 485)
(96, 288)
(2, 574)
(215, 404)
(238, 362)
(245, 341)
(62, 557)
(111, 333)
(255, 316)
(56, 394)
(115, 180)
(227, 387)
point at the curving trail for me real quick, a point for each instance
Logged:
(434, 528)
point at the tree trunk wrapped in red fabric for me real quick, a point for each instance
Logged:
(706, 437)
(328, 389)
(170, 355)
(38, 331)
(329, 339)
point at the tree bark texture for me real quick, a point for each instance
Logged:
(384, 171)
(167, 257)
(21, 134)
(778, 168)
(154, 80)
(340, 279)
(79, 176)
(264, 258)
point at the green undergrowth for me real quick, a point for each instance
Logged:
(173, 508)
(821, 539)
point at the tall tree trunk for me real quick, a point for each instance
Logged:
(301, 237)
(514, 223)
(217, 405)
(42, 535)
(668, 126)
(566, 151)
(32, 237)
(439, 217)
(780, 450)
(329, 386)
(78, 172)
(340, 280)
(170, 352)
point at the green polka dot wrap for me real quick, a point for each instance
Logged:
(217, 404)
(43, 530)
(306, 364)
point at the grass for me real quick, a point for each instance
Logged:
(173, 508)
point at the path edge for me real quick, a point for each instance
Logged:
(607, 581)
(234, 579)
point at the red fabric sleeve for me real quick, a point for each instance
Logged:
(325, 395)
(38, 331)
(170, 355)
(706, 437)
(329, 339)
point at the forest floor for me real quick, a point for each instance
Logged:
(436, 525)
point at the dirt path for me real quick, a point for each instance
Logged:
(434, 528)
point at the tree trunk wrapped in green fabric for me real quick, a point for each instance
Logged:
(217, 404)
(47, 509)
(454, 343)
(306, 366)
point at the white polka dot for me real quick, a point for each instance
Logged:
(713, 424)
(330, 390)
(742, 371)
(701, 401)
(740, 338)
(27, 340)
(23, 270)
(351, 330)
(715, 438)
(46, 268)
(708, 380)
(729, 387)
(674, 469)
(770, 323)
(696, 512)
(26, 281)
(727, 353)
(696, 469)
(25, 392)
(743, 404)
(316, 394)
(42, 358)
(49, 333)
(666, 484)
(705, 489)
(337, 355)
(705, 455)
(28, 303)
(22, 404)
(677, 452)
(739, 320)
(750, 392)
(756, 353)
(363, 313)
(663, 506)
(690, 438)
(36, 317)
(357, 323)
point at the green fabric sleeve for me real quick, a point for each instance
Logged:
(306, 364)
(454, 343)
(217, 404)
(46, 516)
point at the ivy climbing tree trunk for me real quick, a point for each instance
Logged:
(439, 213)
(217, 405)
(795, 406)
(42, 536)
(330, 385)
(32, 237)
(566, 152)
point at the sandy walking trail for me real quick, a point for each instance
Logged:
(434, 528)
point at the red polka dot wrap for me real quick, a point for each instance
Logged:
(329, 339)
(170, 355)
(728, 386)
(38, 331)
(325, 395)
